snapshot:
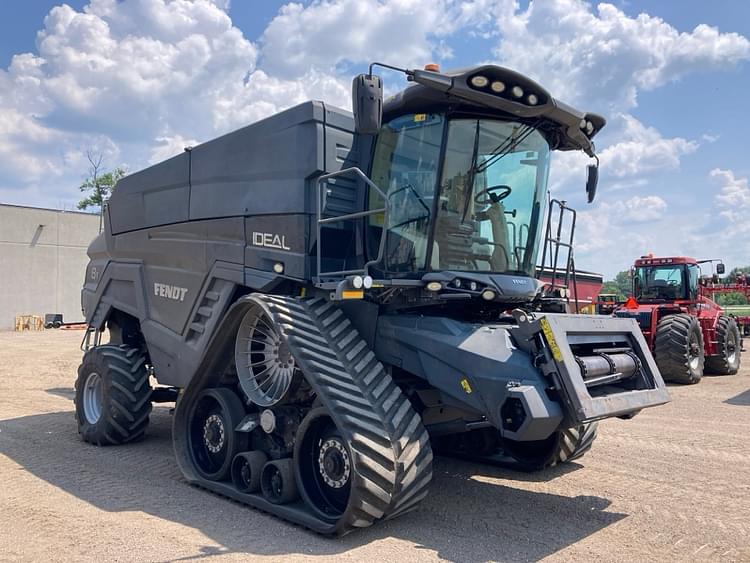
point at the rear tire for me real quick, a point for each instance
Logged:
(729, 344)
(113, 395)
(678, 349)
(561, 447)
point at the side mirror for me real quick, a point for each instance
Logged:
(720, 268)
(367, 103)
(592, 180)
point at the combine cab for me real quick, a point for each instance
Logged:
(331, 296)
(687, 332)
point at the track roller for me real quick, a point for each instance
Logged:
(277, 481)
(246, 470)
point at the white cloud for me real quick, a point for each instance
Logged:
(733, 198)
(642, 150)
(605, 57)
(330, 33)
(144, 75)
(167, 147)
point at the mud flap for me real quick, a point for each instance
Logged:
(601, 366)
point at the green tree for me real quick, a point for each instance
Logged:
(737, 272)
(622, 285)
(98, 184)
(728, 299)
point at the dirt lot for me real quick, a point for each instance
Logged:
(672, 484)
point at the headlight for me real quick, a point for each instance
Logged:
(517, 91)
(532, 99)
(434, 286)
(488, 295)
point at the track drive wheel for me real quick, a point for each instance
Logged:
(213, 442)
(678, 348)
(113, 395)
(729, 343)
(561, 447)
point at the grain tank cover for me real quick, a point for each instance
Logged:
(264, 168)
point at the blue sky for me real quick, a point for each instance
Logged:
(136, 80)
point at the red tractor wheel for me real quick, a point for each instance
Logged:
(678, 348)
(729, 343)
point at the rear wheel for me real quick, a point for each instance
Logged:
(728, 338)
(562, 446)
(678, 348)
(113, 395)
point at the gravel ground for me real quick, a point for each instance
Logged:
(671, 484)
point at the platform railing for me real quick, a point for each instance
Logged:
(322, 184)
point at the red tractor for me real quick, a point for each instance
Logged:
(686, 330)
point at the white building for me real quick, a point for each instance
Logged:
(42, 261)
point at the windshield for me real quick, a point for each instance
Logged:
(492, 177)
(659, 282)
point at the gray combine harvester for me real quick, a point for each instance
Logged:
(329, 298)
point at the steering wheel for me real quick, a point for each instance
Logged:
(493, 194)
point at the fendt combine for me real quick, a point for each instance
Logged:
(329, 297)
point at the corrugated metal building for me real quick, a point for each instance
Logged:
(42, 261)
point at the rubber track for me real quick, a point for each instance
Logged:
(575, 442)
(126, 415)
(390, 447)
(671, 348)
(719, 364)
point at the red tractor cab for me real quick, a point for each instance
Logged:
(686, 331)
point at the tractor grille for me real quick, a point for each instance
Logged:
(643, 318)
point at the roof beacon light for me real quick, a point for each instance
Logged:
(498, 87)
(479, 81)
(432, 67)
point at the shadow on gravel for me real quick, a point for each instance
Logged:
(463, 518)
(743, 399)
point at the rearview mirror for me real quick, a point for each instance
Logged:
(720, 268)
(591, 181)
(367, 103)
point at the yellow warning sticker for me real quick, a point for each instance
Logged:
(466, 386)
(547, 330)
(420, 116)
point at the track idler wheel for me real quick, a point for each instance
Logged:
(246, 470)
(212, 441)
(277, 481)
(324, 465)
